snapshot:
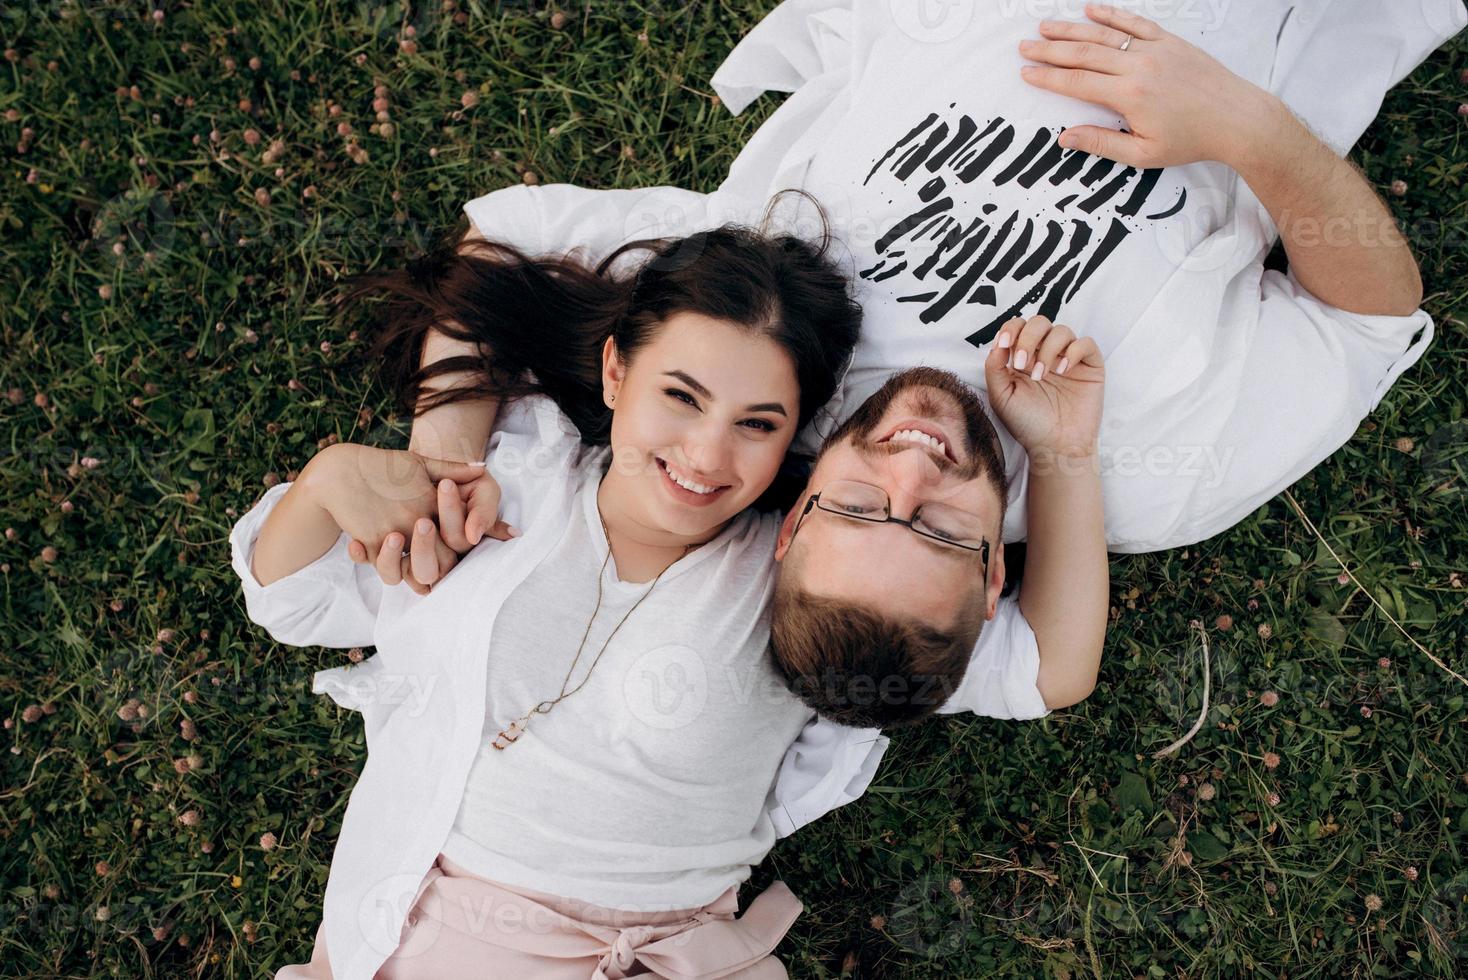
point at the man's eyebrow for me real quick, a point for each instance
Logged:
(689, 380)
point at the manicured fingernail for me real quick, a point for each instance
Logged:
(1028, 70)
(1020, 360)
(1064, 363)
(511, 531)
(424, 526)
(445, 484)
(1004, 340)
(1039, 371)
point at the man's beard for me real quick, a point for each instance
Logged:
(981, 449)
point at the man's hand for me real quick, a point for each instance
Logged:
(1046, 386)
(1181, 105)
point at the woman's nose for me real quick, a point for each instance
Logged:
(709, 454)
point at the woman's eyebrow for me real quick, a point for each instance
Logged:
(688, 379)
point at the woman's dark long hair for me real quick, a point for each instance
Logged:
(540, 322)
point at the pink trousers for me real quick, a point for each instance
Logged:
(463, 926)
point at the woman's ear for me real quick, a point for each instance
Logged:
(613, 371)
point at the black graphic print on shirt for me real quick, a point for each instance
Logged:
(949, 253)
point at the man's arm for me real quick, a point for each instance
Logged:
(1182, 106)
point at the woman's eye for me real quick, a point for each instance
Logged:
(761, 425)
(682, 396)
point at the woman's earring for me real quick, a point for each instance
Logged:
(614, 398)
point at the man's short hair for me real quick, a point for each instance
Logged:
(864, 669)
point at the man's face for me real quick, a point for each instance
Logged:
(920, 438)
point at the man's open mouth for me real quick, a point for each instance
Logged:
(921, 432)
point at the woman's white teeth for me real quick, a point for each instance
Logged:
(921, 438)
(687, 484)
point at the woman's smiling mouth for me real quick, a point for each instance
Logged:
(688, 490)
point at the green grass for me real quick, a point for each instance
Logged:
(1058, 848)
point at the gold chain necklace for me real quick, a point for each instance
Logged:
(511, 732)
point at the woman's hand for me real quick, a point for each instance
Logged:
(1047, 386)
(1180, 104)
(371, 493)
(463, 511)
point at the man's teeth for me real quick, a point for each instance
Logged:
(687, 484)
(921, 438)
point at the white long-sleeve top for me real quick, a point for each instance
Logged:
(955, 208)
(424, 697)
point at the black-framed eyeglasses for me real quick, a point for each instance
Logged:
(943, 523)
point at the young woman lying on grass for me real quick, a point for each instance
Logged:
(517, 760)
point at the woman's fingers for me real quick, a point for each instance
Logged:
(1037, 348)
(423, 556)
(1066, 30)
(357, 551)
(484, 511)
(1078, 83)
(1083, 360)
(1025, 345)
(1089, 55)
(1125, 20)
(996, 377)
(1085, 351)
(1102, 142)
(451, 515)
(442, 469)
(1051, 349)
(389, 561)
(437, 560)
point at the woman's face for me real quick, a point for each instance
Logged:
(701, 420)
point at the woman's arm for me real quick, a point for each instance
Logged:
(1183, 106)
(1050, 399)
(458, 431)
(298, 530)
